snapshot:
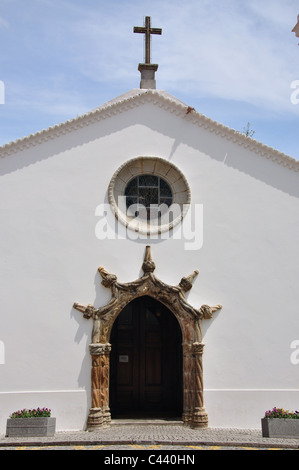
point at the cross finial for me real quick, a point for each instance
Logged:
(147, 69)
(148, 31)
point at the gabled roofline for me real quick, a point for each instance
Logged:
(162, 99)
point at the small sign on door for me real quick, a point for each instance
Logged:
(123, 358)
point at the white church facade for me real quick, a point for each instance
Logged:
(149, 267)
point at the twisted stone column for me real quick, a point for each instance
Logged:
(99, 413)
(187, 384)
(199, 415)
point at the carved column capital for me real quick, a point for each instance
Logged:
(197, 349)
(99, 349)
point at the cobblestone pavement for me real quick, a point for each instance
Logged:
(152, 450)
(151, 436)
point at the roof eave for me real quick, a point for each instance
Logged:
(137, 97)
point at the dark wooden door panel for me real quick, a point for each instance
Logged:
(146, 365)
(153, 367)
(125, 367)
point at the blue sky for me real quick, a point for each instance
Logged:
(232, 60)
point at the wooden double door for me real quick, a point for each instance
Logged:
(146, 362)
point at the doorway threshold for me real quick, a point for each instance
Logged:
(146, 421)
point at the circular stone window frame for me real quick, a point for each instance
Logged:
(156, 166)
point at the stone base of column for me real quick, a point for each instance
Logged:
(98, 418)
(106, 416)
(199, 418)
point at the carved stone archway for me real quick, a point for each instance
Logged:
(189, 318)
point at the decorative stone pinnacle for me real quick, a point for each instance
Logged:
(148, 264)
(207, 312)
(88, 312)
(108, 279)
(186, 282)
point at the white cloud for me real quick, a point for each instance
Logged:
(232, 54)
(211, 48)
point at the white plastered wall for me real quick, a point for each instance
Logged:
(245, 249)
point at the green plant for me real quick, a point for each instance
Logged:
(281, 413)
(35, 413)
(248, 131)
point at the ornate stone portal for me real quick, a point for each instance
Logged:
(189, 318)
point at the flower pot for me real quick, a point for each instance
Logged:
(30, 427)
(280, 427)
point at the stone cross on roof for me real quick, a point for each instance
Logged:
(147, 69)
(148, 31)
